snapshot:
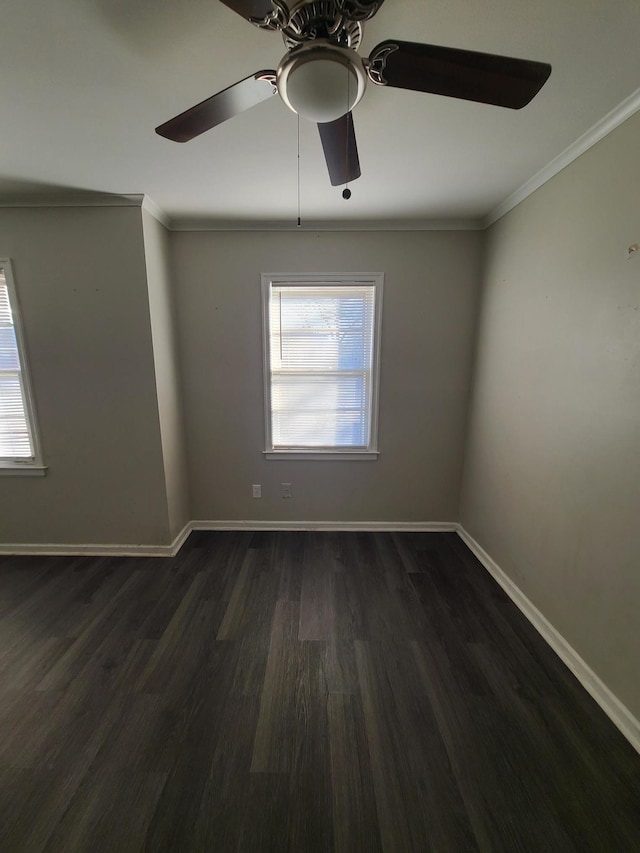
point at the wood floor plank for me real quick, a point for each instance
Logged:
(222, 805)
(503, 804)
(235, 610)
(317, 611)
(435, 798)
(79, 728)
(37, 617)
(310, 812)
(25, 579)
(219, 554)
(186, 742)
(387, 767)
(16, 787)
(272, 750)
(167, 658)
(355, 820)
(84, 646)
(25, 720)
(28, 668)
(340, 664)
(235, 548)
(410, 556)
(114, 811)
(252, 600)
(374, 591)
(264, 827)
(288, 558)
(165, 591)
(420, 788)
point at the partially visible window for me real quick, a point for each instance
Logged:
(18, 441)
(322, 346)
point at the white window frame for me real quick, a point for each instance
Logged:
(317, 280)
(32, 466)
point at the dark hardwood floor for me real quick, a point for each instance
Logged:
(295, 692)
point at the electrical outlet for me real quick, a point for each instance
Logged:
(286, 490)
(257, 491)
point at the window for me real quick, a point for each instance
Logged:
(322, 348)
(19, 452)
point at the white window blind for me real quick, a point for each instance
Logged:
(17, 443)
(321, 351)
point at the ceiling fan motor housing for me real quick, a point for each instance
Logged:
(320, 19)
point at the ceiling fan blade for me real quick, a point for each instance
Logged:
(218, 108)
(482, 77)
(253, 10)
(340, 150)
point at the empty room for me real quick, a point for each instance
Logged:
(320, 426)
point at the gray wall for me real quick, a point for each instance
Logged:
(552, 476)
(430, 304)
(165, 357)
(81, 281)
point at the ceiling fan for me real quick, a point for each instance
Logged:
(322, 77)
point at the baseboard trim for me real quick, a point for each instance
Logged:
(331, 526)
(181, 538)
(91, 550)
(618, 713)
(98, 550)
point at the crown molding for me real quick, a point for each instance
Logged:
(204, 224)
(73, 199)
(88, 199)
(156, 211)
(602, 128)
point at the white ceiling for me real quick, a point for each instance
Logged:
(83, 83)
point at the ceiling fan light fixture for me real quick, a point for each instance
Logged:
(321, 82)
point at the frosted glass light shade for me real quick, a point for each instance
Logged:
(321, 82)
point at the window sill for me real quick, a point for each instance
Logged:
(330, 455)
(17, 469)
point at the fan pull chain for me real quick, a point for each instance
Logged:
(299, 222)
(346, 192)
